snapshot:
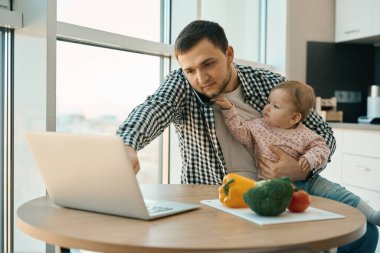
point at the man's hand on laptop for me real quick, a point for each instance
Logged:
(134, 159)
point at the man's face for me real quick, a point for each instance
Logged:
(207, 68)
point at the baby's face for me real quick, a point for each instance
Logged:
(280, 111)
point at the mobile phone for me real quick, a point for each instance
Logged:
(202, 99)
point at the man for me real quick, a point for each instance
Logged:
(208, 149)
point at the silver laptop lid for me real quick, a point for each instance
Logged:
(89, 172)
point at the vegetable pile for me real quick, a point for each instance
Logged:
(266, 198)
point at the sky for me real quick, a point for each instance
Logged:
(96, 81)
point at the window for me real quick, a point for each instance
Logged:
(96, 90)
(94, 75)
(140, 19)
(99, 85)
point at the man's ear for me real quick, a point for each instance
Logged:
(296, 118)
(230, 54)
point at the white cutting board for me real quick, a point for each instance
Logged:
(309, 214)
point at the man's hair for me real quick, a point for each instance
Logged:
(197, 31)
(303, 96)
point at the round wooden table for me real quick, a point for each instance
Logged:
(205, 229)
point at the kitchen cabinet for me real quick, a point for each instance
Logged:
(356, 164)
(361, 171)
(356, 19)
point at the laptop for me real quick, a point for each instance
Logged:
(94, 173)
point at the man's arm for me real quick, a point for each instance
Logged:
(149, 119)
(132, 154)
(286, 166)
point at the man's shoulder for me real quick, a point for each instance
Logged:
(176, 74)
(174, 78)
(257, 71)
(257, 83)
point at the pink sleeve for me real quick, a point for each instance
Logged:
(317, 152)
(238, 127)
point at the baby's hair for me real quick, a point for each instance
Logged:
(302, 94)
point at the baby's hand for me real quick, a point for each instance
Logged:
(304, 163)
(223, 102)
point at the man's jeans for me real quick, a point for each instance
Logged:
(322, 187)
(367, 243)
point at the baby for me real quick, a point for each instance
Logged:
(281, 125)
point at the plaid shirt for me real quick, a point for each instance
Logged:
(174, 102)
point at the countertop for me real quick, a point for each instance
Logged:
(355, 126)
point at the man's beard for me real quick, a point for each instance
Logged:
(223, 85)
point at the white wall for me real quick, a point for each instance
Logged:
(240, 21)
(291, 23)
(308, 20)
(276, 35)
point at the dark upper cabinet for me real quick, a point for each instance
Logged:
(342, 67)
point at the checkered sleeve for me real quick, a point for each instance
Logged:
(149, 119)
(315, 122)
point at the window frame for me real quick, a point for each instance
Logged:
(6, 139)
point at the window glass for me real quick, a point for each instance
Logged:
(139, 19)
(96, 90)
(241, 22)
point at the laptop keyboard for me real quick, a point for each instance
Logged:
(157, 209)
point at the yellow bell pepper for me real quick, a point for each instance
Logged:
(233, 188)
